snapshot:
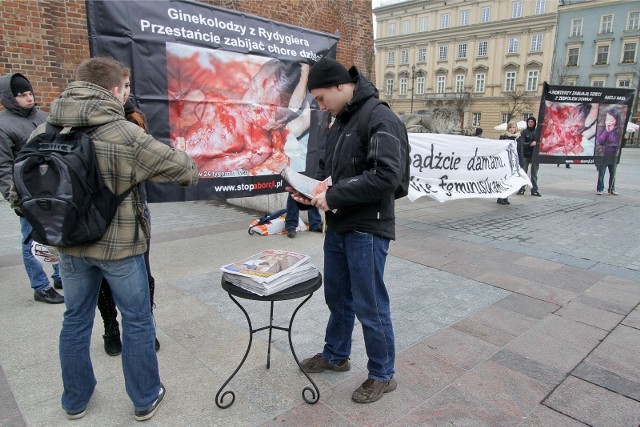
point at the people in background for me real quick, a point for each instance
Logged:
(18, 119)
(528, 142)
(512, 134)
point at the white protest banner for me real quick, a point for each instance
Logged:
(450, 167)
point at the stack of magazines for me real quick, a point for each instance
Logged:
(270, 271)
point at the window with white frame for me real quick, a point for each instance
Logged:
(420, 85)
(576, 27)
(391, 29)
(514, 45)
(597, 83)
(444, 20)
(606, 24)
(505, 117)
(441, 84)
(391, 58)
(516, 9)
(480, 81)
(539, 7)
(459, 83)
(404, 56)
(573, 54)
(629, 52)
(510, 81)
(422, 54)
(482, 48)
(525, 116)
(536, 43)
(403, 86)
(485, 14)
(443, 52)
(476, 119)
(464, 18)
(462, 50)
(532, 80)
(424, 24)
(602, 55)
(633, 21)
(624, 83)
(389, 87)
(406, 25)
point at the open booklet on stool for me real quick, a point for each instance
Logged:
(270, 271)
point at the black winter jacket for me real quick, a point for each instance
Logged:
(364, 176)
(16, 125)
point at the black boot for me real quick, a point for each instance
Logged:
(112, 343)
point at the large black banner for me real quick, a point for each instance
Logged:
(228, 88)
(579, 124)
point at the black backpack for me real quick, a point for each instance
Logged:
(60, 189)
(363, 129)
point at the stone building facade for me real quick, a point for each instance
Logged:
(487, 59)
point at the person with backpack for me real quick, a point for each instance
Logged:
(126, 156)
(369, 167)
(18, 119)
(106, 305)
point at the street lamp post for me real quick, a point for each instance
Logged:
(413, 84)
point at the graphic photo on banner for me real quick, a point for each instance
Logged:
(571, 124)
(234, 113)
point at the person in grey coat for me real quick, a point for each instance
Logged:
(18, 119)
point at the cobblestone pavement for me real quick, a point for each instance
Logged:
(519, 315)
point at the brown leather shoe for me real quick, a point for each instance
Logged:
(372, 390)
(317, 364)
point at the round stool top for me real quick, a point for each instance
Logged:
(295, 291)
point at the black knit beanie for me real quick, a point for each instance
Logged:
(20, 85)
(327, 72)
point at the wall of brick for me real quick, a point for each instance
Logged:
(47, 39)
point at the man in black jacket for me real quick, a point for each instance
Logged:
(19, 118)
(360, 221)
(528, 142)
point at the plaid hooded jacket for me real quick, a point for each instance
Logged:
(126, 157)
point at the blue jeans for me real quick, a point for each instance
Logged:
(354, 286)
(37, 276)
(293, 212)
(128, 281)
(534, 173)
(602, 169)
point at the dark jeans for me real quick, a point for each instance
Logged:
(354, 286)
(602, 169)
(534, 173)
(293, 212)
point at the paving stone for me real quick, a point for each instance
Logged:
(546, 417)
(542, 373)
(593, 405)
(460, 349)
(633, 319)
(608, 380)
(483, 332)
(589, 315)
(571, 331)
(528, 306)
(503, 320)
(548, 350)
(425, 374)
(454, 407)
(618, 353)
